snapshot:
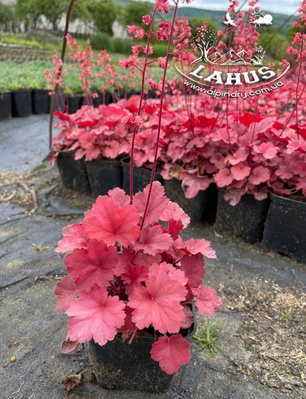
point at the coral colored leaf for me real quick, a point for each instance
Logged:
(152, 241)
(157, 205)
(119, 195)
(197, 246)
(223, 177)
(193, 266)
(259, 175)
(240, 171)
(128, 325)
(171, 352)
(92, 266)
(194, 184)
(268, 150)
(172, 272)
(208, 301)
(110, 222)
(66, 292)
(62, 116)
(96, 316)
(69, 346)
(174, 212)
(159, 302)
(134, 275)
(73, 237)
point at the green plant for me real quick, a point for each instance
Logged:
(101, 41)
(207, 337)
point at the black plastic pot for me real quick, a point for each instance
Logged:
(74, 103)
(142, 177)
(5, 105)
(104, 175)
(73, 173)
(22, 103)
(118, 365)
(198, 208)
(41, 101)
(285, 228)
(245, 220)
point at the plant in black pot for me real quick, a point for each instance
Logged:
(130, 288)
(285, 225)
(5, 104)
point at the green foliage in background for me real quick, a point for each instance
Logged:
(103, 14)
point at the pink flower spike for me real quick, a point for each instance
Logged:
(158, 202)
(110, 222)
(73, 237)
(152, 241)
(146, 19)
(193, 266)
(96, 316)
(208, 301)
(171, 352)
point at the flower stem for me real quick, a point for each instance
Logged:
(143, 76)
(162, 96)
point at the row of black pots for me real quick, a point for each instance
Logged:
(23, 103)
(278, 222)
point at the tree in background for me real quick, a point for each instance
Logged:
(30, 10)
(103, 14)
(27, 11)
(6, 16)
(134, 12)
(197, 22)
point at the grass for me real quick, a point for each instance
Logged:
(207, 337)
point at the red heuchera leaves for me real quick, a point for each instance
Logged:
(171, 352)
(224, 178)
(73, 237)
(95, 316)
(174, 212)
(195, 246)
(119, 195)
(152, 241)
(110, 222)
(208, 301)
(193, 266)
(67, 293)
(158, 202)
(121, 279)
(92, 266)
(240, 171)
(259, 175)
(159, 302)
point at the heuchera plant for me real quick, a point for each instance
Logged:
(128, 269)
(124, 279)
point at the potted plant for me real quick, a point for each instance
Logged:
(286, 220)
(131, 285)
(40, 98)
(5, 104)
(21, 100)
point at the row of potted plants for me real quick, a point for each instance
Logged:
(247, 157)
